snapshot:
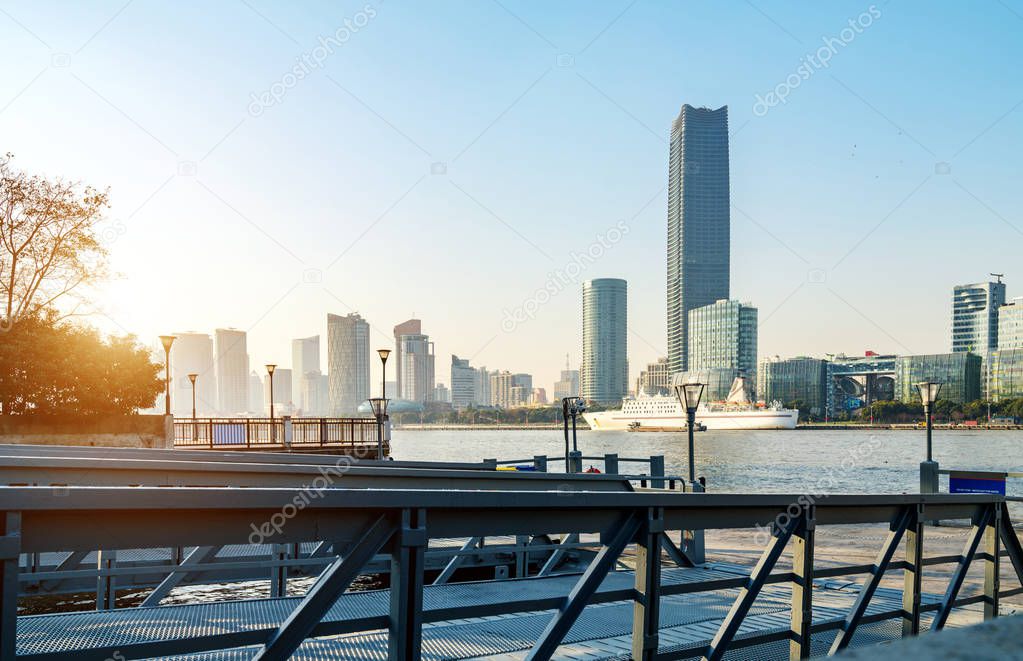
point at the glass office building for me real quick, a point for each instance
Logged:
(1010, 325)
(794, 379)
(1006, 374)
(855, 381)
(698, 221)
(717, 382)
(604, 375)
(724, 335)
(959, 374)
(975, 317)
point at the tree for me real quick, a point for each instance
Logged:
(49, 245)
(48, 366)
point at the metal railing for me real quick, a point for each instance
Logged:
(259, 433)
(400, 522)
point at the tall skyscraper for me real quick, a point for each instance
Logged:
(232, 366)
(604, 376)
(282, 391)
(410, 327)
(192, 353)
(415, 367)
(1010, 325)
(347, 363)
(568, 384)
(698, 221)
(975, 317)
(257, 400)
(305, 362)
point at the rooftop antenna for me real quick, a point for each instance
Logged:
(997, 275)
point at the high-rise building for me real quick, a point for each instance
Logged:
(958, 373)
(604, 376)
(698, 221)
(1006, 374)
(415, 367)
(441, 394)
(655, 379)
(975, 316)
(282, 391)
(232, 366)
(192, 353)
(568, 384)
(409, 327)
(463, 383)
(257, 399)
(314, 398)
(724, 335)
(1010, 325)
(347, 363)
(305, 360)
(795, 379)
(481, 391)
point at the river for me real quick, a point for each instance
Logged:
(779, 461)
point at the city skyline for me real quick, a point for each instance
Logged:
(826, 184)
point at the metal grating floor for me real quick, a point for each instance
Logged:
(185, 630)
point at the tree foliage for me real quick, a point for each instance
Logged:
(49, 245)
(48, 366)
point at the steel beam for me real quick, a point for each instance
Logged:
(456, 562)
(801, 616)
(191, 562)
(748, 594)
(992, 565)
(647, 602)
(106, 582)
(10, 551)
(324, 593)
(556, 556)
(980, 522)
(584, 588)
(1011, 542)
(405, 629)
(913, 573)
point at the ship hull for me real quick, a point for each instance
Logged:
(713, 420)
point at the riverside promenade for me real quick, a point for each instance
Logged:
(784, 577)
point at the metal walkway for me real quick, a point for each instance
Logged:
(687, 621)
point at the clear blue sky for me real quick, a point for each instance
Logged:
(552, 123)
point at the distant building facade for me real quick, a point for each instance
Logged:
(567, 385)
(654, 379)
(975, 317)
(698, 222)
(1010, 325)
(192, 353)
(232, 367)
(794, 379)
(415, 366)
(958, 372)
(855, 381)
(604, 376)
(1006, 374)
(409, 327)
(305, 363)
(282, 392)
(723, 335)
(347, 363)
(257, 399)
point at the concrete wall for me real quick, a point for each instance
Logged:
(118, 431)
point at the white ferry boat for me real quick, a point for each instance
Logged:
(664, 411)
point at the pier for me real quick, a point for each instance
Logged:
(631, 590)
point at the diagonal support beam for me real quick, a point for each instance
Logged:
(852, 620)
(584, 589)
(730, 626)
(677, 555)
(196, 557)
(456, 562)
(559, 553)
(981, 521)
(1010, 540)
(334, 581)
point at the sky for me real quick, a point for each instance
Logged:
(269, 163)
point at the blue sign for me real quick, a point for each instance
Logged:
(976, 482)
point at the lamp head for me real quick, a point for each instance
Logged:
(167, 341)
(689, 395)
(929, 392)
(270, 369)
(379, 406)
(383, 353)
(192, 378)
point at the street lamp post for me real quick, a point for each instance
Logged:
(167, 341)
(571, 407)
(379, 406)
(192, 378)
(270, 371)
(929, 469)
(689, 395)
